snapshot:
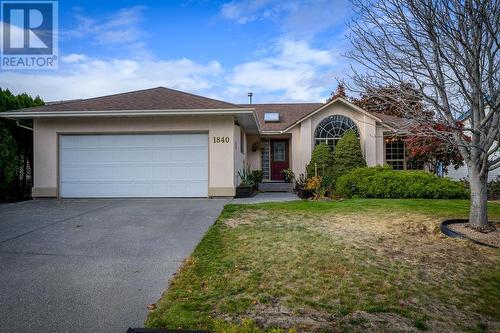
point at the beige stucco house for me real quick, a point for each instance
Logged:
(166, 143)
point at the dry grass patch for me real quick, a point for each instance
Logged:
(360, 265)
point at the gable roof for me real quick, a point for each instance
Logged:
(149, 99)
(333, 101)
(289, 113)
(165, 101)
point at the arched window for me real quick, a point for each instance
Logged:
(332, 128)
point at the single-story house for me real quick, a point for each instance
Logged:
(167, 143)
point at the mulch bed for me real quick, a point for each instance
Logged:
(460, 228)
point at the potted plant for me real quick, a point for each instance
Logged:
(246, 187)
(244, 190)
(256, 178)
(257, 146)
(300, 187)
(288, 175)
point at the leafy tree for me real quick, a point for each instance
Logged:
(16, 147)
(339, 92)
(347, 155)
(393, 100)
(9, 159)
(321, 161)
(432, 150)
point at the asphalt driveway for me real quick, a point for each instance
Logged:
(93, 265)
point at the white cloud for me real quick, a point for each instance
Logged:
(73, 58)
(289, 69)
(289, 75)
(301, 52)
(246, 11)
(292, 71)
(89, 77)
(298, 18)
(121, 29)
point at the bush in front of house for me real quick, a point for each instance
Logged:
(494, 189)
(321, 163)
(256, 176)
(347, 155)
(383, 182)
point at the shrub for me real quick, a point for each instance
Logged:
(301, 181)
(246, 180)
(322, 159)
(9, 159)
(494, 188)
(347, 155)
(288, 175)
(314, 184)
(382, 182)
(256, 176)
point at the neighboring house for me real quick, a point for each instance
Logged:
(166, 143)
(462, 172)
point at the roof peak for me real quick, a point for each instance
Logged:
(285, 103)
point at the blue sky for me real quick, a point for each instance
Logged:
(280, 50)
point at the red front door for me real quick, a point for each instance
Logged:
(279, 158)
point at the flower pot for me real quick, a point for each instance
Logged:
(244, 192)
(304, 194)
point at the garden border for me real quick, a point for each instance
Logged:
(450, 233)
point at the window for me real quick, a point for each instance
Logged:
(395, 153)
(271, 117)
(242, 142)
(396, 156)
(279, 151)
(331, 129)
(265, 158)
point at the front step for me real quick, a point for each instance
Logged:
(276, 187)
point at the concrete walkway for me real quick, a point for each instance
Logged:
(267, 197)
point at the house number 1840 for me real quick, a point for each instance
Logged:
(221, 139)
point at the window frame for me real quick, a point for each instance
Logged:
(333, 140)
(405, 160)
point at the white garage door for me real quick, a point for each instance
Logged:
(145, 165)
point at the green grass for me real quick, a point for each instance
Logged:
(353, 265)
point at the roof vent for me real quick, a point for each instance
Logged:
(271, 117)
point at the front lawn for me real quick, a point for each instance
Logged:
(355, 265)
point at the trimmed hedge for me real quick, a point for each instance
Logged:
(383, 182)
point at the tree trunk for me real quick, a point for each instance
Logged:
(478, 218)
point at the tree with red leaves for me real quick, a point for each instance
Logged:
(433, 150)
(339, 92)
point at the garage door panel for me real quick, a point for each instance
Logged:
(150, 165)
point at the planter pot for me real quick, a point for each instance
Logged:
(304, 194)
(244, 192)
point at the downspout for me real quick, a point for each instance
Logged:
(22, 126)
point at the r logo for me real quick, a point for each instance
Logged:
(29, 28)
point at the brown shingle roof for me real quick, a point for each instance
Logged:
(169, 99)
(397, 123)
(150, 99)
(289, 113)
